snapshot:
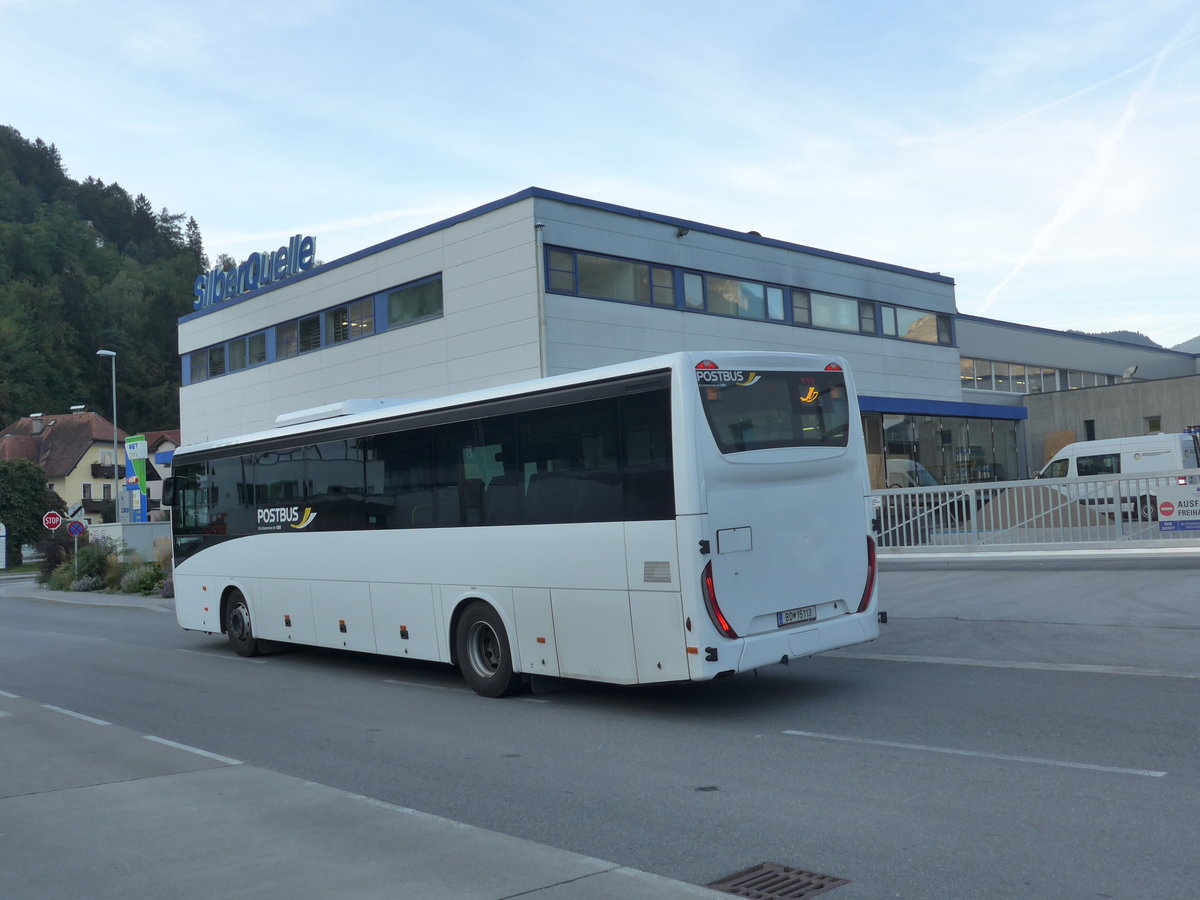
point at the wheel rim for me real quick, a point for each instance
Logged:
(239, 622)
(483, 649)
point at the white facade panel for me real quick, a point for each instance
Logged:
(488, 333)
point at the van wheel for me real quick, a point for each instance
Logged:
(481, 645)
(238, 628)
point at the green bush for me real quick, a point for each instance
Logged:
(87, 583)
(143, 578)
(97, 558)
(61, 577)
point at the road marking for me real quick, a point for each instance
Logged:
(75, 715)
(214, 756)
(4, 714)
(978, 754)
(211, 654)
(1012, 664)
(10, 696)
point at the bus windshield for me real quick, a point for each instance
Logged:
(760, 410)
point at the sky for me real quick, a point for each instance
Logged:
(1045, 155)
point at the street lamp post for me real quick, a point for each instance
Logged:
(112, 355)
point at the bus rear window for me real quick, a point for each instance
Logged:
(761, 410)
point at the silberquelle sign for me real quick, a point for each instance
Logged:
(259, 270)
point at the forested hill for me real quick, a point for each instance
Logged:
(85, 266)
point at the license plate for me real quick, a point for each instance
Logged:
(797, 616)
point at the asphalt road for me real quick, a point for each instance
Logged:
(1022, 730)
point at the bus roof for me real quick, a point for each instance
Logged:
(349, 413)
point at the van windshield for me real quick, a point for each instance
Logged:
(760, 410)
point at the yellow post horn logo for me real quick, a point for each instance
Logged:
(306, 519)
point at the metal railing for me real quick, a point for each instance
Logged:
(1096, 511)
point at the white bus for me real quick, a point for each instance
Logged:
(678, 518)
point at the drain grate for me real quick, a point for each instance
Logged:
(771, 881)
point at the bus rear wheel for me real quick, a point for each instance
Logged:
(238, 628)
(482, 648)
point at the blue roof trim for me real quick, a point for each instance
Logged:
(940, 408)
(1037, 329)
(541, 193)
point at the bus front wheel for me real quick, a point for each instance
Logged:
(238, 628)
(481, 645)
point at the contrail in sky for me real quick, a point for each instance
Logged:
(1089, 183)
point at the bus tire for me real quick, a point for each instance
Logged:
(237, 626)
(483, 651)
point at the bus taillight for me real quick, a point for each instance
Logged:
(710, 603)
(871, 566)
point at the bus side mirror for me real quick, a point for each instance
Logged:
(168, 491)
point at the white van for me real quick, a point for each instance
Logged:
(1127, 456)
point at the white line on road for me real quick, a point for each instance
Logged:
(223, 759)
(75, 715)
(978, 754)
(1012, 664)
(10, 696)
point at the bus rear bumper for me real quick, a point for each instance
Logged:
(764, 649)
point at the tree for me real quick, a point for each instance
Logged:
(24, 498)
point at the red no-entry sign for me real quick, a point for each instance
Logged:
(52, 520)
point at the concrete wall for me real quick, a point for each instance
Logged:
(1119, 410)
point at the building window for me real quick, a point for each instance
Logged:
(966, 373)
(662, 290)
(310, 333)
(801, 308)
(613, 279)
(630, 281)
(87, 490)
(237, 354)
(837, 313)
(199, 365)
(561, 265)
(1018, 378)
(1153, 424)
(287, 340)
(915, 325)
(107, 491)
(415, 302)
(866, 317)
(775, 303)
(257, 348)
(1089, 431)
(354, 320)
(216, 361)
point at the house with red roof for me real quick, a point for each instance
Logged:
(76, 451)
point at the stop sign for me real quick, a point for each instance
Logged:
(52, 520)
